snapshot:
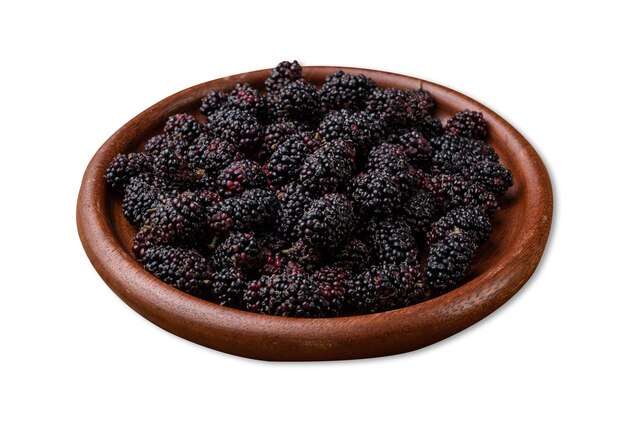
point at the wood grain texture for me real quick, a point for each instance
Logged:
(502, 266)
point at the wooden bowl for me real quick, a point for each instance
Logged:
(502, 266)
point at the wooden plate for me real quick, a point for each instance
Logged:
(502, 266)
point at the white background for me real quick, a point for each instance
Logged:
(74, 355)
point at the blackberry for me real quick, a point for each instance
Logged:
(184, 125)
(172, 166)
(470, 220)
(452, 191)
(391, 160)
(156, 144)
(419, 212)
(284, 73)
(212, 102)
(375, 193)
(227, 287)
(361, 129)
(253, 210)
(304, 254)
(429, 126)
(452, 152)
(275, 135)
(328, 221)
(126, 166)
(141, 197)
(328, 169)
(288, 294)
(245, 97)
(285, 163)
(274, 264)
(467, 123)
(181, 268)
(212, 156)
(449, 261)
(181, 218)
(331, 283)
(394, 107)
(355, 254)
(239, 250)
(345, 91)
(298, 100)
(383, 288)
(414, 146)
(392, 241)
(239, 127)
(293, 200)
(425, 101)
(493, 176)
(239, 176)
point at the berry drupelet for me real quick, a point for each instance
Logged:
(328, 221)
(346, 91)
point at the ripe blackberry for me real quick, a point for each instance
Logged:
(298, 100)
(275, 135)
(467, 123)
(331, 282)
(375, 193)
(239, 127)
(492, 176)
(141, 197)
(449, 261)
(227, 287)
(383, 288)
(239, 176)
(172, 167)
(181, 218)
(284, 73)
(355, 254)
(361, 129)
(414, 145)
(425, 101)
(181, 268)
(288, 294)
(392, 241)
(156, 144)
(212, 156)
(419, 211)
(394, 107)
(429, 126)
(245, 97)
(184, 125)
(304, 254)
(452, 153)
(124, 167)
(391, 160)
(345, 91)
(252, 210)
(239, 250)
(469, 220)
(212, 102)
(293, 200)
(328, 169)
(452, 191)
(279, 263)
(285, 163)
(328, 221)
(149, 237)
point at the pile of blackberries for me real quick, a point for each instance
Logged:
(301, 201)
